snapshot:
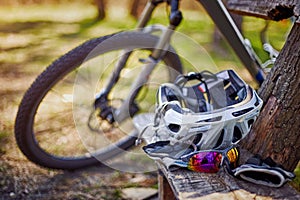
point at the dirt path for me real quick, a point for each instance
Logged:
(21, 179)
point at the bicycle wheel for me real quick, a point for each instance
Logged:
(46, 130)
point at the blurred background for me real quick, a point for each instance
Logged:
(33, 33)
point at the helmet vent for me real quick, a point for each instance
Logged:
(174, 127)
(197, 139)
(250, 123)
(241, 112)
(220, 140)
(257, 102)
(237, 134)
(214, 119)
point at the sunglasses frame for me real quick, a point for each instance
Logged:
(225, 160)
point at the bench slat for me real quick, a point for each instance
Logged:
(194, 185)
(268, 9)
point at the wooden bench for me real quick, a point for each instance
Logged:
(184, 184)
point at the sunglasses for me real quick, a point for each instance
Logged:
(211, 161)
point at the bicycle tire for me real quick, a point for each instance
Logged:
(52, 75)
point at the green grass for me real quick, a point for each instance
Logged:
(4, 138)
(296, 181)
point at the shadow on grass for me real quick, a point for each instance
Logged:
(27, 43)
(38, 26)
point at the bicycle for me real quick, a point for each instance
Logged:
(42, 145)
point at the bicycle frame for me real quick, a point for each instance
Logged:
(222, 19)
(228, 28)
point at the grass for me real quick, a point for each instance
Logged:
(296, 181)
(4, 136)
(32, 36)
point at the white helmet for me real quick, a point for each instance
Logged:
(216, 112)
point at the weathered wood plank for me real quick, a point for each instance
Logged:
(268, 9)
(194, 185)
(164, 189)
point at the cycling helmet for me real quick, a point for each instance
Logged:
(215, 112)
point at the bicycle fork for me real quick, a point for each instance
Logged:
(128, 107)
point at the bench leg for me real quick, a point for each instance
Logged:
(165, 191)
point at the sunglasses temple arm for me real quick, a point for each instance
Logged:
(227, 166)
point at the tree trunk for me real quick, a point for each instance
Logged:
(100, 8)
(137, 7)
(276, 132)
